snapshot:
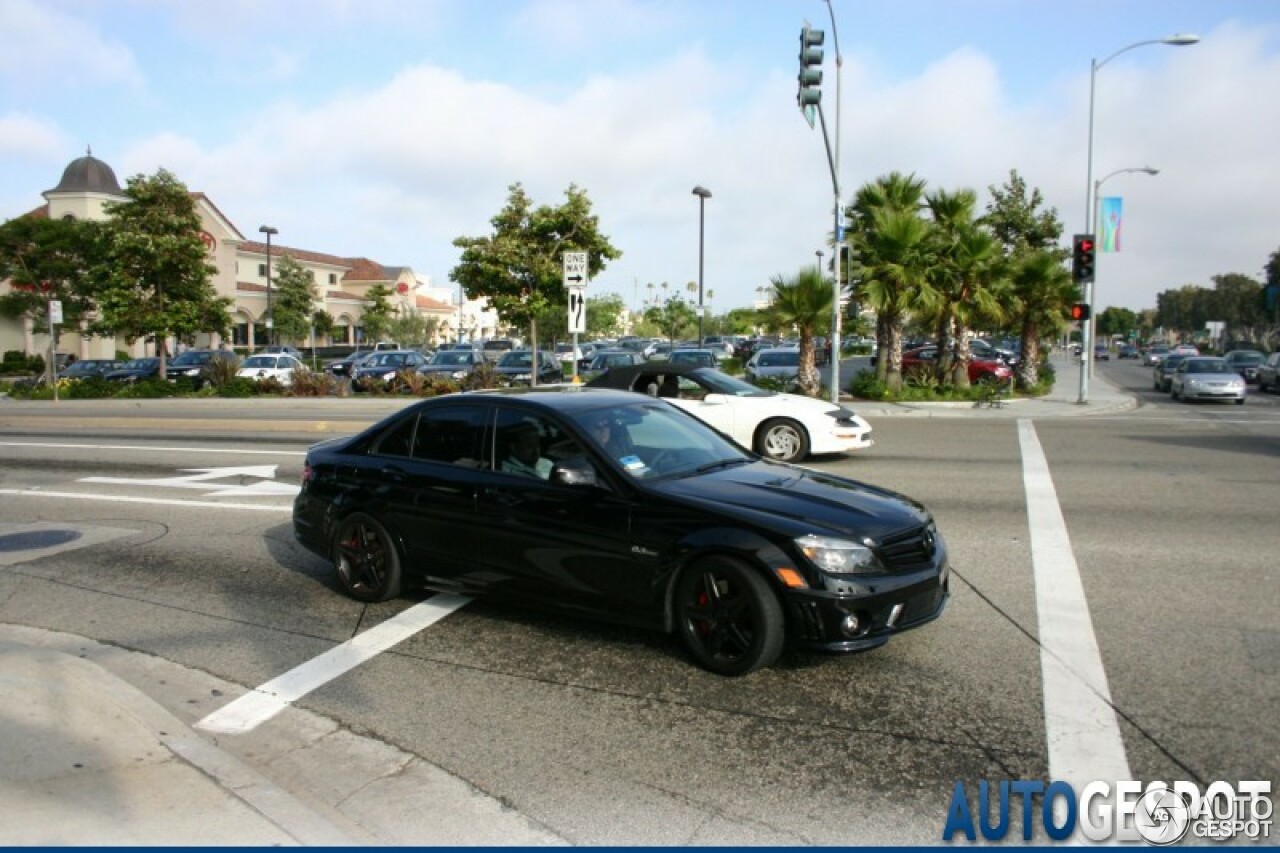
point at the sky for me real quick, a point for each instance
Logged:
(388, 128)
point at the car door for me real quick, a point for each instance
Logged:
(426, 480)
(550, 542)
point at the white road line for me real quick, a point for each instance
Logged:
(152, 448)
(84, 496)
(263, 703)
(1080, 724)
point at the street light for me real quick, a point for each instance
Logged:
(268, 230)
(1176, 40)
(703, 194)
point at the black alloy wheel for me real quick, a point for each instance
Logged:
(729, 618)
(366, 559)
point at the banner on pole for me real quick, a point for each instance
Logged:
(1112, 216)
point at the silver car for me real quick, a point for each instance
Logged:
(1199, 378)
(774, 363)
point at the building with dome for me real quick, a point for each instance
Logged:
(342, 283)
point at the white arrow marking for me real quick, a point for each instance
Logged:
(198, 478)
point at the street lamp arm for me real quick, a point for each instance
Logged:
(1177, 40)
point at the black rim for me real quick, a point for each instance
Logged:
(720, 617)
(363, 556)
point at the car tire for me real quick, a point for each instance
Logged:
(782, 439)
(1240, 402)
(366, 559)
(729, 619)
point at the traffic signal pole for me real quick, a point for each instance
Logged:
(1083, 266)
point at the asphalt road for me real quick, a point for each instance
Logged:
(605, 735)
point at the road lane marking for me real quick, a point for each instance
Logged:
(85, 496)
(262, 703)
(152, 448)
(199, 478)
(1083, 734)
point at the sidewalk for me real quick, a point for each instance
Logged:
(89, 758)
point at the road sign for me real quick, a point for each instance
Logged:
(577, 310)
(55, 311)
(575, 269)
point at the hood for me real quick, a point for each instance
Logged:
(796, 501)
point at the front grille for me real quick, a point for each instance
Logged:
(909, 551)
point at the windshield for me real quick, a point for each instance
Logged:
(722, 383)
(260, 361)
(782, 358)
(141, 364)
(452, 357)
(387, 359)
(651, 440)
(516, 359)
(1247, 358)
(1207, 365)
(189, 358)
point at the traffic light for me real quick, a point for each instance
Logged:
(808, 94)
(1082, 259)
(1080, 312)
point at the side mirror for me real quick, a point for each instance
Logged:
(574, 472)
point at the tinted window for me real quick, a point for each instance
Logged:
(453, 434)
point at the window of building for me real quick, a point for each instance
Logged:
(262, 270)
(333, 278)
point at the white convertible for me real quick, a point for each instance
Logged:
(786, 427)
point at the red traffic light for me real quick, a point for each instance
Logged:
(1086, 244)
(1080, 311)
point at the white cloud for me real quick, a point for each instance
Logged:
(41, 43)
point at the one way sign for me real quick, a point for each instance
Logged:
(575, 269)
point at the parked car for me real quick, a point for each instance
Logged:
(695, 357)
(774, 363)
(738, 556)
(979, 348)
(980, 369)
(1162, 373)
(283, 348)
(607, 359)
(1201, 378)
(517, 367)
(1269, 373)
(279, 366)
(1101, 353)
(657, 351)
(344, 367)
(135, 369)
(454, 363)
(89, 367)
(784, 427)
(381, 368)
(495, 348)
(1245, 362)
(196, 365)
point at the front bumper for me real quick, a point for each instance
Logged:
(819, 619)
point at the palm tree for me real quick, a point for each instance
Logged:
(803, 303)
(891, 244)
(1043, 288)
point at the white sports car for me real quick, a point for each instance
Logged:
(786, 427)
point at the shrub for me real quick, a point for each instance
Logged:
(237, 386)
(309, 383)
(866, 386)
(220, 371)
(483, 376)
(89, 388)
(153, 389)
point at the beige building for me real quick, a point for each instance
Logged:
(342, 284)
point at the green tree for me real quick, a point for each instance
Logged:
(893, 249)
(321, 322)
(295, 300)
(673, 318)
(604, 315)
(1014, 218)
(377, 317)
(519, 268)
(1117, 321)
(803, 303)
(1042, 288)
(157, 279)
(411, 329)
(47, 259)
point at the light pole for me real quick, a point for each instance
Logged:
(837, 236)
(1086, 353)
(268, 230)
(703, 194)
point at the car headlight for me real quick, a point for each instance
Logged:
(459, 374)
(839, 556)
(388, 376)
(523, 377)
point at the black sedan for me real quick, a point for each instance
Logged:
(617, 506)
(135, 370)
(381, 368)
(516, 367)
(87, 368)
